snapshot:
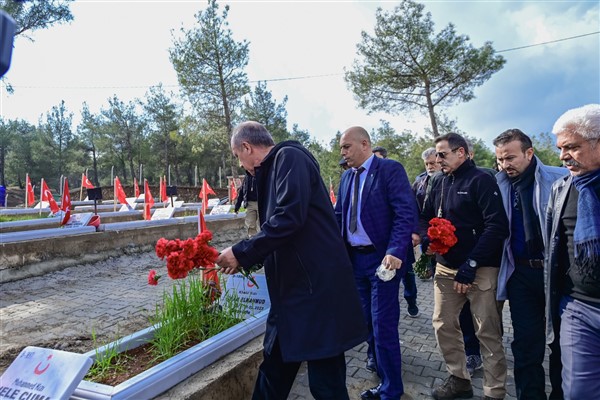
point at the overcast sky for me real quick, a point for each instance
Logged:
(121, 48)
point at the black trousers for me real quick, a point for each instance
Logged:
(525, 290)
(326, 377)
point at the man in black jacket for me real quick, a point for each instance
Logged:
(315, 313)
(470, 200)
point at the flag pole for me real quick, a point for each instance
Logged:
(26, 190)
(114, 195)
(41, 194)
(81, 188)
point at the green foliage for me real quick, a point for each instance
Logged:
(406, 66)
(261, 107)
(33, 15)
(544, 145)
(105, 362)
(210, 67)
(188, 315)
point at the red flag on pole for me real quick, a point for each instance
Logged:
(148, 201)
(332, 194)
(120, 192)
(136, 188)
(233, 190)
(206, 190)
(30, 195)
(47, 196)
(65, 203)
(86, 183)
(163, 190)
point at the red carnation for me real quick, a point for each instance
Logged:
(153, 278)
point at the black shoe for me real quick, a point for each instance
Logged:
(372, 393)
(371, 364)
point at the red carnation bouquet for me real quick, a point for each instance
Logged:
(185, 256)
(441, 239)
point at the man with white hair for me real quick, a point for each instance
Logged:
(572, 262)
(422, 180)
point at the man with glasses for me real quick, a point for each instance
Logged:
(470, 200)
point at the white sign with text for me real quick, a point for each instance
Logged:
(162, 213)
(77, 220)
(43, 374)
(255, 299)
(221, 209)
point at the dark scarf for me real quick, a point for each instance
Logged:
(523, 186)
(587, 228)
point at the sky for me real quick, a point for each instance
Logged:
(122, 48)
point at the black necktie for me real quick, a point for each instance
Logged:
(354, 205)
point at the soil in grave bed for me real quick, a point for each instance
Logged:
(130, 363)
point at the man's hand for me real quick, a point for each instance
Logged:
(227, 261)
(464, 278)
(391, 262)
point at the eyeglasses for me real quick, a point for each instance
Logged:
(443, 155)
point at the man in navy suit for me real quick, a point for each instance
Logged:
(377, 213)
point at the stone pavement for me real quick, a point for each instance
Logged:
(112, 299)
(422, 365)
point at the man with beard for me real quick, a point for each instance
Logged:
(572, 263)
(525, 184)
(315, 313)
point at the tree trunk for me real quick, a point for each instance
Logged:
(430, 108)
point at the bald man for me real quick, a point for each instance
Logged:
(377, 214)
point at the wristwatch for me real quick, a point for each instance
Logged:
(472, 263)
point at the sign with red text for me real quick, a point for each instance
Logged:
(43, 374)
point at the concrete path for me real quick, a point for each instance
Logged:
(422, 365)
(112, 299)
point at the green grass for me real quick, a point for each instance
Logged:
(10, 218)
(185, 317)
(188, 316)
(106, 362)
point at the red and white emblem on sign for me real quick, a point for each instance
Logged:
(39, 371)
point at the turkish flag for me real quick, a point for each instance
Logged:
(148, 201)
(65, 203)
(120, 193)
(30, 194)
(136, 188)
(85, 182)
(163, 190)
(332, 194)
(233, 190)
(206, 190)
(47, 196)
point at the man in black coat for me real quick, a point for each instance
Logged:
(315, 313)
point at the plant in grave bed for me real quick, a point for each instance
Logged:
(190, 313)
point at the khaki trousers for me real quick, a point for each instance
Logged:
(486, 318)
(251, 221)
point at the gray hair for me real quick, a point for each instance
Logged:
(583, 121)
(428, 153)
(469, 145)
(253, 133)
